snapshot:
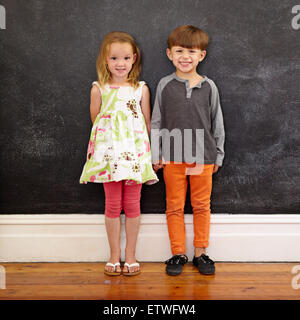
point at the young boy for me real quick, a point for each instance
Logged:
(187, 106)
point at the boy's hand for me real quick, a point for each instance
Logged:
(158, 165)
(215, 168)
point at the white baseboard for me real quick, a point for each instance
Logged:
(82, 238)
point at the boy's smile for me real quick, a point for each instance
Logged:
(185, 60)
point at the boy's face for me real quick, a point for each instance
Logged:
(185, 60)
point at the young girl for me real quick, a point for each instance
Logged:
(119, 153)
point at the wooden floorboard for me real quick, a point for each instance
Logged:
(86, 281)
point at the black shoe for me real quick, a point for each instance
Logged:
(204, 264)
(175, 264)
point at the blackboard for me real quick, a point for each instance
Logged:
(47, 64)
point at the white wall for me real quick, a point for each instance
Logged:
(81, 237)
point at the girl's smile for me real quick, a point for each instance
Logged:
(120, 60)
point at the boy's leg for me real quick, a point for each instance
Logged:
(201, 186)
(131, 205)
(113, 208)
(176, 185)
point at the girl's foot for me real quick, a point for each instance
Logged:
(131, 269)
(113, 264)
(131, 265)
(112, 269)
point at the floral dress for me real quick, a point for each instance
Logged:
(119, 147)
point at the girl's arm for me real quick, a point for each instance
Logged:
(95, 102)
(145, 106)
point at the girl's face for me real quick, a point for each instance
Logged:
(120, 60)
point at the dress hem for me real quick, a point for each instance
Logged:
(147, 182)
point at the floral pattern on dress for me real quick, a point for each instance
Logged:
(131, 105)
(119, 147)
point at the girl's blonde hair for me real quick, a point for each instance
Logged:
(104, 75)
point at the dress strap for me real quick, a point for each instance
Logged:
(142, 84)
(140, 88)
(98, 85)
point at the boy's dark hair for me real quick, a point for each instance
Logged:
(188, 36)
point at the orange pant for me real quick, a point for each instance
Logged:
(175, 176)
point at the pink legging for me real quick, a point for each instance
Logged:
(119, 195)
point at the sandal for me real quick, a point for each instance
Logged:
(114, 265)
(128, 273)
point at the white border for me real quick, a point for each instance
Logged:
(82, 238)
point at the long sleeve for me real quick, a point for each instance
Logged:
(217, 124)
(156, 126)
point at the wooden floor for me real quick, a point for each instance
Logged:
(86, 281)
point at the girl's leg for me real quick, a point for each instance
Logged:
(131, 205)
(113, 207)
(113, 228)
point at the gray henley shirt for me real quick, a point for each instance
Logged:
(192, 115)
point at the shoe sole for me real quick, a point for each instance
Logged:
(170, 273)
(127, 274)
(205, 273)
(173, 274)
(112, 273)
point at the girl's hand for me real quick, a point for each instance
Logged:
(215, 168)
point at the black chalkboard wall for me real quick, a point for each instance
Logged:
(48, 55)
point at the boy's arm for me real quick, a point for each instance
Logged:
(217, 124)
(156, 126)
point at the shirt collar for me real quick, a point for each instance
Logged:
(187, 81)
